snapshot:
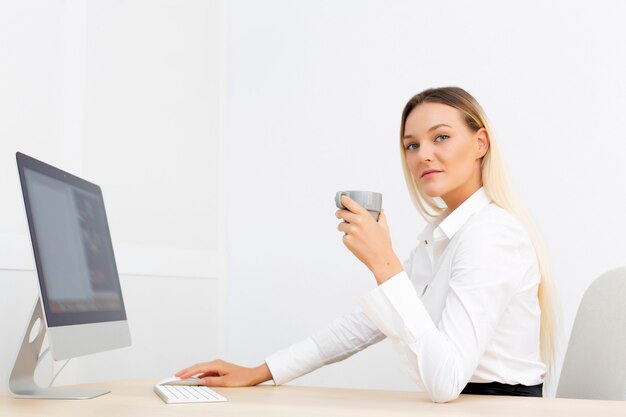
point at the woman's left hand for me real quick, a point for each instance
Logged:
(368, 239)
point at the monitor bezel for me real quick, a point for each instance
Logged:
(69, 318)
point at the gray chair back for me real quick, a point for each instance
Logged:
(595, 361)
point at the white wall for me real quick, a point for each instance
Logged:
(124, 94)
(315, 95)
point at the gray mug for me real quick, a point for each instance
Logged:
(370, 200)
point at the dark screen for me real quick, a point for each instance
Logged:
(72, 246)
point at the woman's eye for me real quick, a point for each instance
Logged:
(412, 146)
(441, 138)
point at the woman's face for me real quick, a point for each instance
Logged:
(443, 154)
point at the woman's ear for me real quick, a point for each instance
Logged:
(482, 142)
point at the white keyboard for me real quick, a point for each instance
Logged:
(178, 394)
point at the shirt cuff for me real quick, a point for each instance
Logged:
(297, 360)
(397, 311)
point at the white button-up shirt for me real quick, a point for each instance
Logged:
(465, 308)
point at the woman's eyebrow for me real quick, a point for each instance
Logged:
(437, 126)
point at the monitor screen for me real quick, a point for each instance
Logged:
(72, 246)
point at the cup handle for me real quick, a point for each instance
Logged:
(338, 199)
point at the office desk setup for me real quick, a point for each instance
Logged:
(137, 399)
(81, 310)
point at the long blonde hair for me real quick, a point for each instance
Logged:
(496, 184)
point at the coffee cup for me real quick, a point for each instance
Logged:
(370, 200)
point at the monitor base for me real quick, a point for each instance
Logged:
(60, 393)
(22, 380)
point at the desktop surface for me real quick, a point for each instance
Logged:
(135, 398)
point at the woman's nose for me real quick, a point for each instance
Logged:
(425, 153)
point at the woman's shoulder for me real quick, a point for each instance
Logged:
(495, 222)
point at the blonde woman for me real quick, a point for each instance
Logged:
(469, 311)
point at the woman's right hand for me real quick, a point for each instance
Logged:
(219, 373)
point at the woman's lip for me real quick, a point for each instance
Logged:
(429, 173)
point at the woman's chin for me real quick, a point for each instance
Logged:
(432, 192)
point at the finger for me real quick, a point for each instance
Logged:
(211, 373)
(213, 381)
(347, 216)
(352, 205)
(345, 227)
(186, 373)
(382, 220)
(212, 366)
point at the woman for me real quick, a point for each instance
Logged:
(470, 310)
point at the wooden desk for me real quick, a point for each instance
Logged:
(135, 398)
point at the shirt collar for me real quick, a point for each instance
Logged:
(452, 222)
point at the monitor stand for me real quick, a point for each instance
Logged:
(22, 380)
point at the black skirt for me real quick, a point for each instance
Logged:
(496, 388)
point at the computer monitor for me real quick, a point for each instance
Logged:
(80, 293)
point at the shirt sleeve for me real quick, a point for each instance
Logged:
(342, 338)
(442, 357)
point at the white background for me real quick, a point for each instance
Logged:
(220, 133)
(126, 95)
